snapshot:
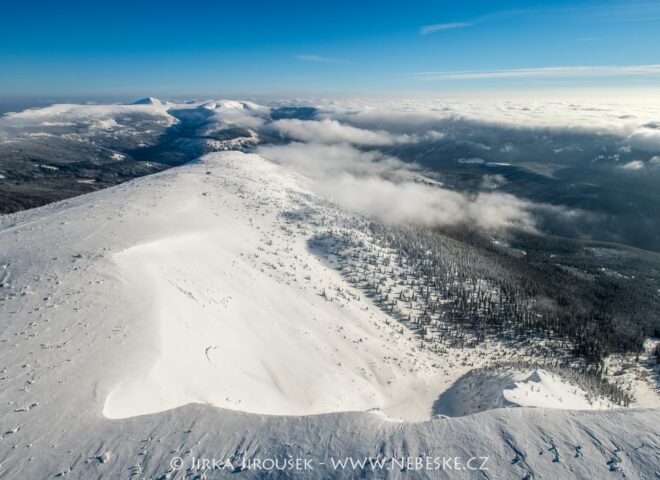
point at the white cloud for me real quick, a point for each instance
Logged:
(321, 161)
(319, 59)
(437, 27)
(493, 182)
(422, 204)
(634, 165)
(647, 139)
(411, 116)
(472, 161)
(331, 131)
(370, 182)
(383, 186)
(409, 121)
(544, 72)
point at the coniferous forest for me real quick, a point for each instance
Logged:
(460, 286)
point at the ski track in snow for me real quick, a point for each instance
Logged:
(180, 315)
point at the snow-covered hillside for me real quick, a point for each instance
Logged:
(185, 314)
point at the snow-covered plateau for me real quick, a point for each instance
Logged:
(185, 316)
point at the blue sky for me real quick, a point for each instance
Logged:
(323, 48)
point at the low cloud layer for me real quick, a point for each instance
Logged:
(647, 139)
(321, 161)
(422, 204)
(331, 131)
(383, 186)
(546, 72)
(446, 163)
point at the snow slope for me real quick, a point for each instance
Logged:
(174, 315)
(505, 387)
(255, 342)
(542, 389)
(88, 120)
(149, 101)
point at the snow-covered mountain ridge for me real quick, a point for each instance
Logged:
(197, 286)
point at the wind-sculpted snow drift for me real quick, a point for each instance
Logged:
(184, 315)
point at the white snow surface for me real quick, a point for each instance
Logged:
(542, 389)
(63, 114)
(231, 333)
(180, 315)
(505, 387)
(149, 101)
(114, 116)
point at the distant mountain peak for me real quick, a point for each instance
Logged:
(149, 101)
